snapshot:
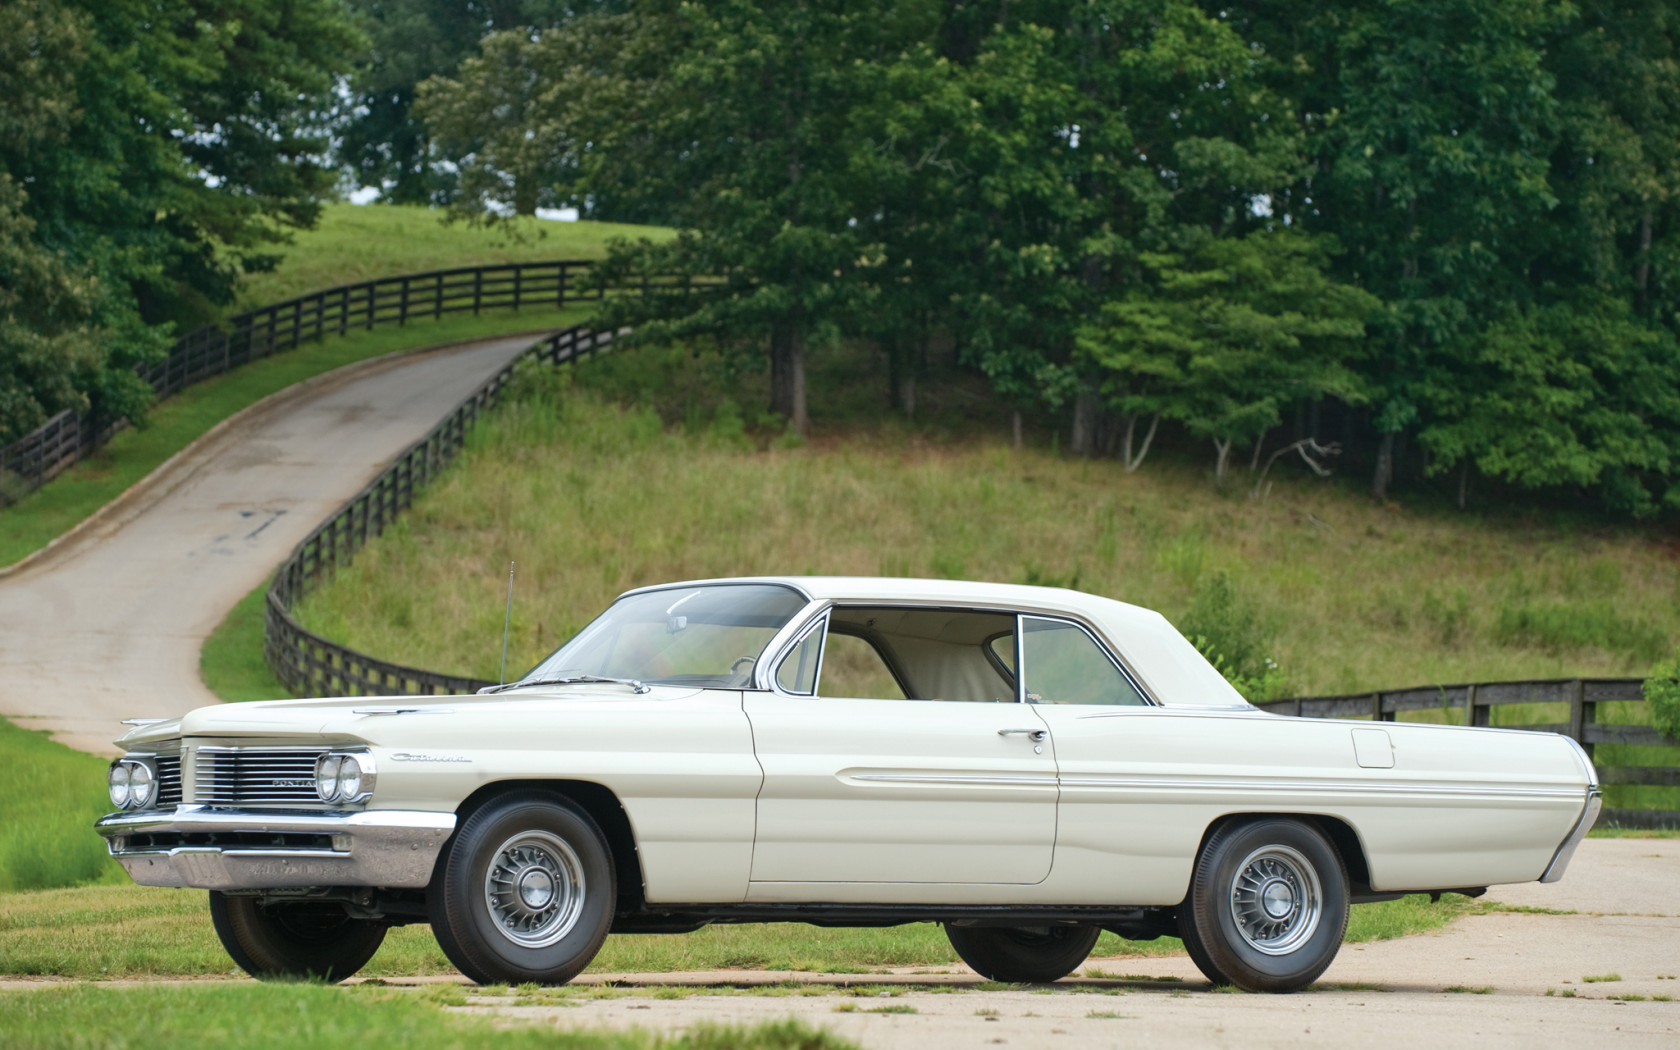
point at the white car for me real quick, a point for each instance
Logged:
(1028, 766)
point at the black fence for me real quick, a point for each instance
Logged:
(1580, 702)
(310, 664)
(34, 459)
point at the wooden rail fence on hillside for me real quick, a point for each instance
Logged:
(32, 460)
(308, 663)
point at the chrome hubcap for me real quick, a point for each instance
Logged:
(1276, 900)
(534, 889)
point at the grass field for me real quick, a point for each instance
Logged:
(104, 932)
(356, 243)
(50, 796)
(286, 1016)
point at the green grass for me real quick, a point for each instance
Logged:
(173, 424)
(231, 661)
(122, 930)
(354, 243)
(49, 797)
(282, 1016)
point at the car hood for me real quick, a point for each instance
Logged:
(356, 717)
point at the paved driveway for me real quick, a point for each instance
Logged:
(108, 625)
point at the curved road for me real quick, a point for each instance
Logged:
(108, 624)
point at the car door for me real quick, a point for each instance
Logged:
(896, 759)
(1116, 825)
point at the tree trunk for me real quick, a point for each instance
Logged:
(1134, 462)
(1463, 482)
(787, 376)
(1015, 427)
(1254, 460)
(1384, 473)
(1223, 447)
(1084, 438)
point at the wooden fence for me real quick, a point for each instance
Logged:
(1580, 702)
(31, 461)
(309, 664)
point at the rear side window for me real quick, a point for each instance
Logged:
(1062, 664)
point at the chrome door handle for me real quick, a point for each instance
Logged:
(1035, 735)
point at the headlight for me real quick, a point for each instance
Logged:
(142, 787)
(344, 777)
(132, 782)
(117, 780)
(326, 777)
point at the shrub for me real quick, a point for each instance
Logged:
(1662, 689)
(1227, 629)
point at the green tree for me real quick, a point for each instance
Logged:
(1224, 338)
(154, 151)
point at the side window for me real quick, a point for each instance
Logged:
(852, 668)
(798, 671)
(1063, 665)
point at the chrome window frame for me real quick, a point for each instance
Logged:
(1022, 669)
(764, 678)
(786, 653)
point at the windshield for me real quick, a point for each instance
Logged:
(700, 636)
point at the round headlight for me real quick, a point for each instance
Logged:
(117, 780)
(141, 787)
(349, 778)
(326, 777)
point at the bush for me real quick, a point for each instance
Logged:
(1662, 689)
(1228, 631)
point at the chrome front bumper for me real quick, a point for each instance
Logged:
(237, 849)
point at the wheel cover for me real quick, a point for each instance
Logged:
(534, 889)
(1276, 900)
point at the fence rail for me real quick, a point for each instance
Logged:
(1578, 700)
(37, 457)
(309, 664)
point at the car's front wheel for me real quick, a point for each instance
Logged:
(1023, 954)
(1268, 905)
(525, 893)
(293, 940)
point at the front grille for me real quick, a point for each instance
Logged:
(245, 776)
(169, 780)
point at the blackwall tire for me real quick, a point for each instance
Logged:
(293, 941)
(525, 893)
(1268, 905)
(1023, 954)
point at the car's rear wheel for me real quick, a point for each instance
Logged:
(293, 940)
(525, 893)
(1023, 954)
(1268, 905)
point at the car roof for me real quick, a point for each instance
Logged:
(1169, 666)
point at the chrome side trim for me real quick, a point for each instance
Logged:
(1589, 816)
(1247, 785)
(963, 779)
(392, 848)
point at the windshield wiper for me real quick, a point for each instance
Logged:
(635, 684)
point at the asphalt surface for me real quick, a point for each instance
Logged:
(108, 623)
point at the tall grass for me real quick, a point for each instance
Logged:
(591, 497)
(50, 796)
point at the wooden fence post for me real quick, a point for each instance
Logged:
(1578, 714)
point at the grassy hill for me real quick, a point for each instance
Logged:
(643, 470)
(355, 243)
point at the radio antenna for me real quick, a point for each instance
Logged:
(507, 622)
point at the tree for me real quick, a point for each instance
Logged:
(152, 151)
(1223, 338)
(384, 141)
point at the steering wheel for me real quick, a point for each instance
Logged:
(750, 661)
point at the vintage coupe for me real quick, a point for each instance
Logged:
(1028, 766)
